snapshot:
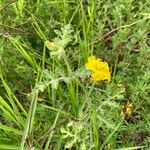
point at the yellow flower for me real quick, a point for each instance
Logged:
(100, 75)
(99, 68)
(128, 109)
(93, 63)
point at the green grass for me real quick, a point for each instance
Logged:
(47, 99)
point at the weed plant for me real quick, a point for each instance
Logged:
(48, 98)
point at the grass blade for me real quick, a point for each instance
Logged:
(12, 98)
(109, 137)
(131, 148)
(10, 129)
(29, 121)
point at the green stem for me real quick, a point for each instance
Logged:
(71, 88)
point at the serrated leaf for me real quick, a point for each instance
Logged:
(70, 143)
(41, 86)
(63, 130)
(83, 146)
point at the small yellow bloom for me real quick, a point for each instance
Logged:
(99, 68)
(128, 110)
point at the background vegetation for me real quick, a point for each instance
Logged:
(47, 100)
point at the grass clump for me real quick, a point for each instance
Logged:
(48, 98)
